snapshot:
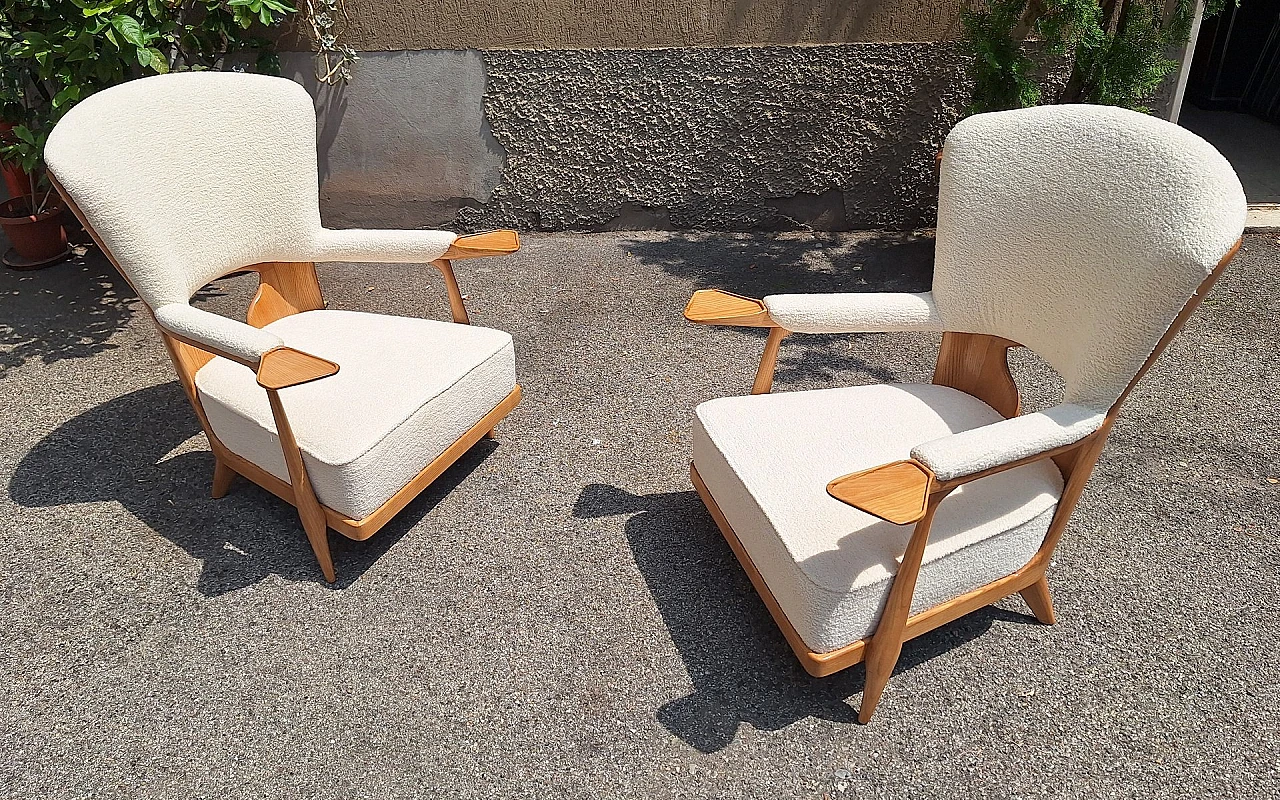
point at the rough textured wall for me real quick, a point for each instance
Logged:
(832, 137)
(455, 25)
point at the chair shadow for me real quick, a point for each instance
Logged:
(742, 669)
(124, 451)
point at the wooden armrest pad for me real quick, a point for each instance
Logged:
(283, 366)
(489, 243)
(714, 307)
(897, 492)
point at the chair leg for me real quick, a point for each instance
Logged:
(882, 657)
(318, 535)
(1037, 597)
(223, 475)
(491, 434)
(886, 642)
(304, 497)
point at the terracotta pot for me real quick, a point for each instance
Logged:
(38, 239)
(16, 180)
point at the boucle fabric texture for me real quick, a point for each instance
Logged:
(189, 176)
(848, 312)
(1079, 231)
(767, 459)
(407, 389)
(221, 333)
(1007, 440)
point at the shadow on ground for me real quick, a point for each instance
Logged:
(757, 265)
(131, 450)
(741, 667)
(69, 310)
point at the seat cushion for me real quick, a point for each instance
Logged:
(406, 390)
(767, 459)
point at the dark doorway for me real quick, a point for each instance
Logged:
(1233, 93)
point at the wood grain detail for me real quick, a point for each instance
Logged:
(304, 496)
(479, 245)
(282, 367)
(763, 383)
(978, 365)
(456, 305)
(716, 307)
(897, 492)
(284, 289)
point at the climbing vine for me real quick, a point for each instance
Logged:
(326, 23)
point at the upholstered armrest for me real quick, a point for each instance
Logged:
(854, 312)
(382, 246)
(1008, 441)
(218, 334)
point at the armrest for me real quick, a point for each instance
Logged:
(410, 246)
(856, 312)
(478, 245)
(284, 367)
(899, 492)
(277, 366)
(1008, 441)
(217, 334)
(381, 246)
(715, 307)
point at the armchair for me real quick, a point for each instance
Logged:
(184, 178)
(868, 515)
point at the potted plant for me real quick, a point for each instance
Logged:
(54, 53)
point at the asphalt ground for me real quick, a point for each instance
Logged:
(558, 616)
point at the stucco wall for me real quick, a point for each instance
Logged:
(552, 24)
(830, 137)
(841, 136)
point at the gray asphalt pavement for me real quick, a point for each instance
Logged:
(558, 616)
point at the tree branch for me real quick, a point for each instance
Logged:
(1030, 16)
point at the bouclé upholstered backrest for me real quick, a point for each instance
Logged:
(186, 177)
(1080, 232)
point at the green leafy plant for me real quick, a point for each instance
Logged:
(1119, 49)
(54, 53)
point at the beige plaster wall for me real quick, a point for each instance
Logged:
(562, 24)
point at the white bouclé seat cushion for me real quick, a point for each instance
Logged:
(767, 459)
(406, 390)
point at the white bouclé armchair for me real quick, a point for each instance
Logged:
(869, 515)
(184, 178)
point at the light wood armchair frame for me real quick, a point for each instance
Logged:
(906, 492)
(291, 288)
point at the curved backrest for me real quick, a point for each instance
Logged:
(188, 176)
(1080, 232)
